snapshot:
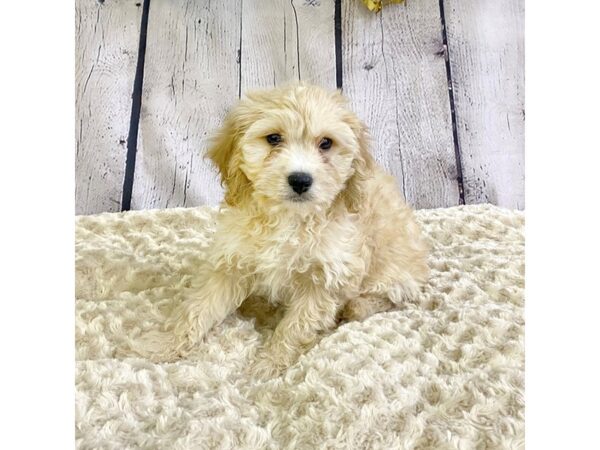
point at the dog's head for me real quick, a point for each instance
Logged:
(298, 147)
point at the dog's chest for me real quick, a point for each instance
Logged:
(293, 255)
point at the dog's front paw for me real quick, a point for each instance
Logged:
(267, 367)
(157, 346)
(188, 325)
(362, 307)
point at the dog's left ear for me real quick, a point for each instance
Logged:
(363, 165)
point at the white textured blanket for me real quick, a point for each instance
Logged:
(442, 373)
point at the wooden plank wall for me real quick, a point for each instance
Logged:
(106, 52)
(487, 67)
(191, 77)
(395, 76)
(439, 82)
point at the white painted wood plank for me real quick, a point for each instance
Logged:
(394, 73)
(107, 37)
(485, 39)
(190, 80)
(285, 41)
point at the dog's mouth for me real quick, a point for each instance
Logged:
(299, 198)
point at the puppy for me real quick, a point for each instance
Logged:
(308, 222)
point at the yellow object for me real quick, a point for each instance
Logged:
(376, 5)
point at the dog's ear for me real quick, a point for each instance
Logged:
(225, 154)
(363, 165)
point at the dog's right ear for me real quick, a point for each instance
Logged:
(225, 154)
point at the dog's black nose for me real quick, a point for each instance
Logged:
(300, 181)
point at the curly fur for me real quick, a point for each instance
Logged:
(346, 249)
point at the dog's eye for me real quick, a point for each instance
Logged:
(274, 139)
(325, 143)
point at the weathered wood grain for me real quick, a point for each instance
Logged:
(394, 73)
(285, 41)
(191, 79)
(107, 36)
(487, 62)
(202, 55)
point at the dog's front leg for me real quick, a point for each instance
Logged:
(309, 312)
(215, 295)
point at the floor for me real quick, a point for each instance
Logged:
(440, 83)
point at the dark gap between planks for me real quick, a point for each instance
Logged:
(338, 44)
(136, 105)
(239, 51)
(457, 154)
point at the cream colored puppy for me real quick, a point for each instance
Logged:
(308, 222)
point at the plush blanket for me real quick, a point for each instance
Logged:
(443, 372)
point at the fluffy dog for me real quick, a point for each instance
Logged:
(309, 222)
